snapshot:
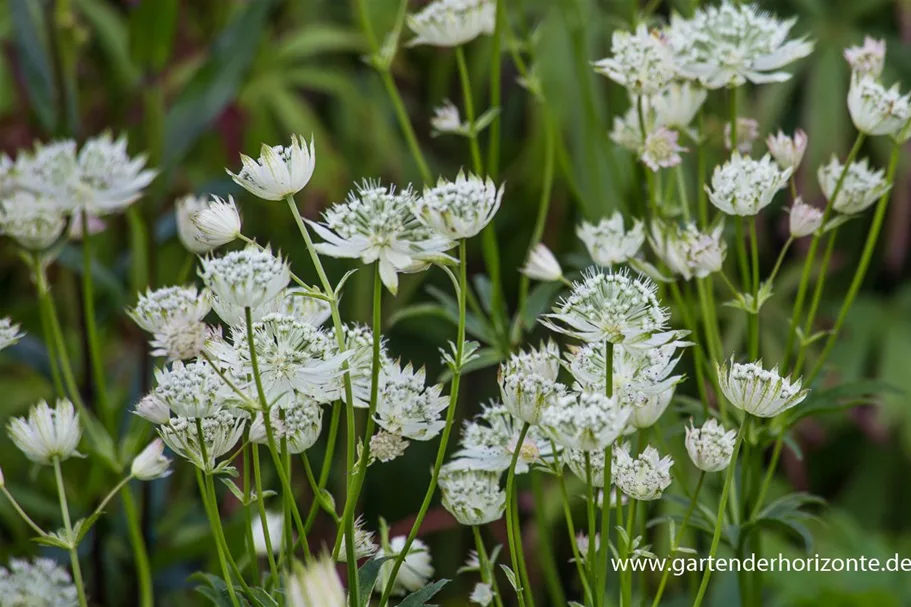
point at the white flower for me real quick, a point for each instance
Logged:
(804, 219)
(280, 171)
(151, 462)
(359, 342)
(170, 306)
(787, 151)
(576, 460)
(648, 413)
(661, 149)
(297, 302)
(644, 478)
(875, 109)
(542, 265)
(51, 169)
(189, 390)
(376, 224)
(526, 395)
(9, 333)
(109, 180)
(611, 307)
(181, 341)
(754, 390)
(385, 446)
(33, 221)
(743, 186)
(218, 223)
(316, 585)
(730, 44)
(220, 434)
(153, 409)
(47, 434)
(543, 360)
(37, 583)
(405, 406)
(416, 569)
(861, 187)
(302, 421)
(490, 440)
(677, 105)
(446, 119)
(710, 447)
(473, 497)
(640, 61)
(275, 524)
(187, 232)
(482, 594)
(583, 544)
(461, 208)
(246, 279)
(747, 133)
(364, 546)
(452, 22)
(867, 60)
(608, 243)
(687, 251)
(585, 421)
(627, 130)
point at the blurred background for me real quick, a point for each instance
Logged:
(194, 84)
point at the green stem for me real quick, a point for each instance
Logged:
(47, 330)
(719, 521)
(488, 576)
(754, 318)
(263, 519)
(601, 577)
(742, 256)
(773, 464)
(214, 522)
(781, 256)
(571, 529)
(702, 204)
(476, 160)
(248, 515)
(91, 327)
(591, 558)
(22, 514)
(71, 539)
(732, 92)
(678, 538)
(326, 466)
(140, 550)
(815, 301)
(546, 551)
(447, 429)
(493, 142)
(516, 552)
(626, 578)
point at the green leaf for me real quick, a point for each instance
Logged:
(420, 597)
(318, 39)
(113, 38)
(152, 27)
(366, 578)
(34, 60)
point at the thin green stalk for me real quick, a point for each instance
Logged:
(488, 576)
(140, 550)
(815, 301)
(22, 514)
(571, 529)
(263, 519)
(248, 515)
(862, 266)
(476, 160)
(781, 256)
(69, 379)
(447, 429)
(699, 362)
(591, 558)
(220, 532)
(287, 524)
(47, 330)
(770, 472)
(327, 464)
(626, 577)
(754, 318)
(719, 521)
(702, 204)
(811, 253)
(71, 538)
(742, 256)
(213, 522)
(732, 92)
(493, 141)
(317, 490)
(91, 327)
(546, 552)
(678, 537)
(516, 552)
(681, 186)
(601, 578)
(520, 551)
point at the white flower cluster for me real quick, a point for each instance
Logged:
(757, 391)
(608, 242)
(449, 23)
(861, 185)
(744, 186)
(9, 333)
(204, 224)
(40, 582)
(279, 172)
(686, 250)
(711, 446)
(174, 316)
(640, 61)
(47, 435)
(644, 477)
(473, 497)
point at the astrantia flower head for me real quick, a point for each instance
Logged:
(687, 251)
(627, 130)
(642, 478)
(446, 120)
(804, 219)
(315, 585)
(490, 440)
(862, 186)
(585, 421)
(747, 133)
(50, 169)
(640, 61)
(189, 390)
(301, 423)
(33, 221)
(297, 302)
(151, 462)
(867, 60)
(181, 341)
(678, 104)
(218, 223)
(279, 171)
(651, 409)
(613, 307)
(661, 149)
(364, 546)
(608, 243)
(729, 44)
(576, 460)
(377, 224)
(246, 279)
(743, 186)
(875, 109)
(757, 391)
(787, 151)
(37, 583)
(473, 497)
(543, 360)
(153, 409)
(47, 434)
(542, 265)
(169, 306)
(482, 594)
(385, 446)
(406, 406)
(416, 569)
(710, 447)
(9, 333)
(109, 179)
(220, 433)
(461, 208)
(452, 22)
(187, 232)
(526, 395)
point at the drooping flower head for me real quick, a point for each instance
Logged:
(406, 406)
(33, 221)
(279, 171)
(47, 434)
(711, 446)
(416, 569)
(302, 420)
(640, 61)
(473, 497)
(862, 185)
(875, 109)
(461, 208)
(608, 242)
(687, 251)
(867, 60)
(788, 151)
(247, 278)
(151, 462)
(757, 391)
(743, 186)
(9, 333)
(542, 265)
(644, 477)
(585, 421)
(729, 44)
(39, 583)
(613, 307)
(450, 23)
(804, 219)
(376, 224)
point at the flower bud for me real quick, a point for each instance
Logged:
(218, 223)
(867, 60)
(151, 463)
(542, 265)
(710, 447)
(787, 151)
(805, 219)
